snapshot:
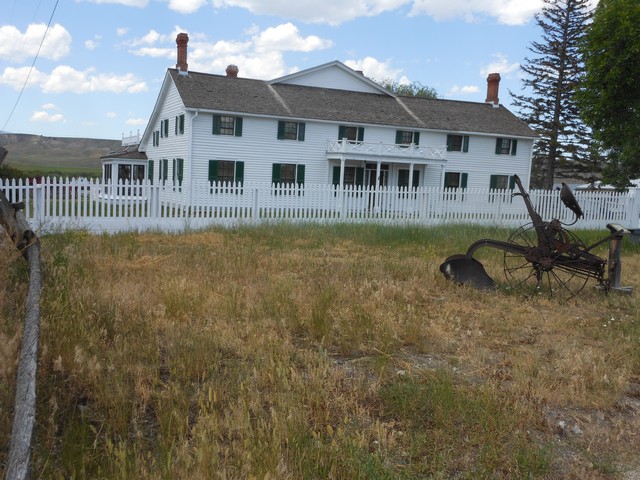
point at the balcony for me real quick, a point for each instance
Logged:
(390, 152)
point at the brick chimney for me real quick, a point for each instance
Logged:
(181, 40)
(232, 71)
(493, 84)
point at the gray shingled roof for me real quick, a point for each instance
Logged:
(221, 93)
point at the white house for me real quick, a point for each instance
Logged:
(327, 124)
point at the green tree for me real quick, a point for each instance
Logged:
(609, 95)
(415, 89)
(548, 104)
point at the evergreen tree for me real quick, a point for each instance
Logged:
(609, 96)
(549, 106)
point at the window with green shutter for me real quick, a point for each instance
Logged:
(458, 143)
(291, 130)
(403, 178)
(506, 146)
(406, 137)
(227, 174)
(286, 175)
(227, 125)
(179, 126)
(455, 180)
(352, 134)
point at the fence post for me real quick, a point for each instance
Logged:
(634, 214)
(255, 214)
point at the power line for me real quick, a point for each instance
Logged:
(31, 68)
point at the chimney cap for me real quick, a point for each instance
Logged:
(232, 71)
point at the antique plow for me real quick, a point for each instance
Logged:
(544, 256)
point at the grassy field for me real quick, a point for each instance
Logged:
(315, 352)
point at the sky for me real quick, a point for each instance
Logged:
(93, 68)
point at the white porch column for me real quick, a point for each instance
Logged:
(410, 186)
(341, 172)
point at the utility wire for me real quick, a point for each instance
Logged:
(31, 68)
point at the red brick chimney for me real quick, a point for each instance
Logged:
(493, 84)
(181, 40)
(232, 71)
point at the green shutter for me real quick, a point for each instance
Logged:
(514, 146)
(175, 127)
(359, 176)
(181, 127)
(463, 180)
(238, 131)
(465, 143)
(180, 169)
(360, 134)
(239, 172)
(336, 175)
(446, 178)
(216, 125)
(493, 182)
(416, 138)
(416, 179)
(300, 174)
(213, 170)
(398, 137)
(512, 182)
(449, 142)
(280, 130)
(165, 170)
(301, 131)
(275, 173)
(341, 132)
(150, 171)
(498, 145)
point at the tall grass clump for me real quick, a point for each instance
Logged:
(308, 351)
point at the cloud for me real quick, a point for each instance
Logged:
(377, 70)
(186, 6)
(456, 90)
(43, 116)
(333, 12)
(136, 122)
(64, 79)
(17, 47)
(287, 37)
(125, 3)
(509, 12)
(111, 114)
(500, 65)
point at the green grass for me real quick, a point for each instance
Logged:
(295, 351)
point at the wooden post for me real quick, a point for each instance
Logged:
(13, 222)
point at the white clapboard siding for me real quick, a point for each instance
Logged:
(53, 204)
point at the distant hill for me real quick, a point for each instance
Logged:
(37, 154)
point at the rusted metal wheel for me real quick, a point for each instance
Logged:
(540, 270)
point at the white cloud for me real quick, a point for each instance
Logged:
(43, 116)
(509, 12)
(186, 6)
(377, 70)
(48, 106)
(17, 47)
(121, 31)
(126, 3)
(333, 12)
(136, 122)
(500, 65)
(111, 114)
(64, 79)
(286, 37)
(460, 91)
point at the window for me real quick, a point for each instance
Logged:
(226, 171)
(164, 128)
(502, 182)
(164, 170)
(287, 174)
(506, 146)
(179, 130)
(178, 172)
(405, 137)
(455, 180)
(352, 134)
(227, 125)
(291, 131)
(353, 176)
(156, 138)
(403, 178)
(457, 143)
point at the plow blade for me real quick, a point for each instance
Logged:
(467, 270)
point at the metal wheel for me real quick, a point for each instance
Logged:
(547, 272)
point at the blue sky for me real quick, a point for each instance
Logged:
(98, 70)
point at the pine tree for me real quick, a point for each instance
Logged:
(550, 81)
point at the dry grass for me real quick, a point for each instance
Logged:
(317, 352)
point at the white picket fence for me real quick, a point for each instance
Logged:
(53, 205)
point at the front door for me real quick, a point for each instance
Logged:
(370, 174)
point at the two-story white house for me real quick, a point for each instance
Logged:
(327, 124)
